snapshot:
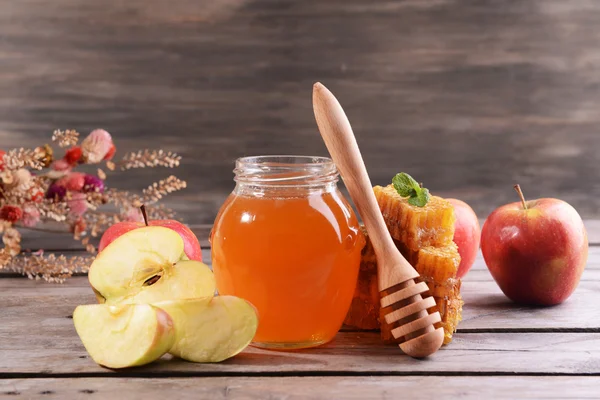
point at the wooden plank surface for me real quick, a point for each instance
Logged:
(307, 388)
(485, 308)
(495, 337)
(469, 97)
(60, 353)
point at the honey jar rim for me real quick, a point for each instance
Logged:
(289, 170)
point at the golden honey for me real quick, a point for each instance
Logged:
(287, 241)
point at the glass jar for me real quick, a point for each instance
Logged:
(287, 240)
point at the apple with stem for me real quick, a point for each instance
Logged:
(147, 265)
(191, 244)
(535, 250)
(467, 235)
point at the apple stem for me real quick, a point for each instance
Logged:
(520, 192)
(144, 214)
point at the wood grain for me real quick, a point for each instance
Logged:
(495, 337)
(306, 388)
(469, 97)
(486, 308)
(360, 353)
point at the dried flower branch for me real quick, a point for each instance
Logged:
(20, 158)
(5, 258)
(124, 199)
(51, 268)
(150, 158)
(159, 189)
(159, 211)
(67, 138)
(73, 199)
(12, 241)
(53, 211)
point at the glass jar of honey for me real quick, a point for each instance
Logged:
(287, 240)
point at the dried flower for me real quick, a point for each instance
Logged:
(7, 178)
(72, 198)
(31, 216)
(111, 153)
(96, 146)
(19, 180)
(61, 165)
(93, 184)
(79, 228)
(73, 155)
(77, 203)
(36, 194)
(12, 241)
(5, 258)
(59, 168)
(157, 190)
(44, 155)
(11, 213)
(150, 158)
(56, 192)
(74, 181)
(65, 138)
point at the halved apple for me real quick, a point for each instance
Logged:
(211, 330)
(124, 336)
(147, 265)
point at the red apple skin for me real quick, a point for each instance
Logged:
(191, 245)
(467, 235)
(536, 255)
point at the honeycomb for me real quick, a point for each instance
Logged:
(424, 236)
(416, 227)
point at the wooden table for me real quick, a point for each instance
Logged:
(501, 350)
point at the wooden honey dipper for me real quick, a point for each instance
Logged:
(401, 297)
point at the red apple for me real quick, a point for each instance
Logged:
(467, 234)
(535, 250)
(191, 245)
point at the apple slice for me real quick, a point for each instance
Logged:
(211, 330)
(147, 265)
(124, 336)
(185, 280)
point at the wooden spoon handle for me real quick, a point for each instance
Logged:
(341, 143)
(420, 338)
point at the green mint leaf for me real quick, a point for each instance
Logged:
(405, 185)
(421, 199)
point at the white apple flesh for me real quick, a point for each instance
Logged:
(147, 265)
(124, 336)
(211, 330)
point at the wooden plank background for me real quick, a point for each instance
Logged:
(468, 96)
(296, 388)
